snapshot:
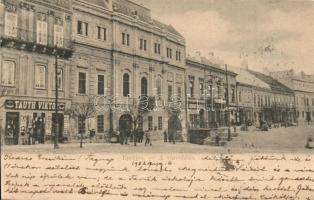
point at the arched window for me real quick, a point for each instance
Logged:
(126, 85)
(158, 86)
(144, 86)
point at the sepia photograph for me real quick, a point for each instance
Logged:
(157, 99)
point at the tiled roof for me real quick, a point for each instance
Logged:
(168, 28)
(247, 78)
(273, 83)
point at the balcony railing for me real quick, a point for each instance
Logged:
(22, 39)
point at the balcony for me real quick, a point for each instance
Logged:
(26, 40)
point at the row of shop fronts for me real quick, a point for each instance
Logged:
(32, 122)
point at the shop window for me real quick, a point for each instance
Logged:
(160, 123)
(8, 73)
(10, 24)
(100, 124)
(42, 32)
(101, 84)
(40, 76)
(58, 35)
(82, 83)
(150, 123)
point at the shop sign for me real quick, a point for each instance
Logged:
(33, 105)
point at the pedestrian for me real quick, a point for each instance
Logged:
(135, 136)
(147, 138)
(165, 136)
(141, 136)
(173, 137)
(126, 136)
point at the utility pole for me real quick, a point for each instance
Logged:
(227, 102)
(56, 145)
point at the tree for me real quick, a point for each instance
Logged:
(82, 111)
(138, 108)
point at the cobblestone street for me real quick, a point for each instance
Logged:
(279, 140)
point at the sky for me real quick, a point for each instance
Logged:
(272, 34)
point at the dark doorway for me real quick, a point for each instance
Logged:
(60, 125)
(39, 127)
(125, 123)
(175, 127)
(12, 128)
(202, 118)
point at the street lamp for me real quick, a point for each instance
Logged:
(56, 145)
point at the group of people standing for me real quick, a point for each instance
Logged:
(135, 136)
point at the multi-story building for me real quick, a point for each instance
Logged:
(303, 86)
(121, 52)
(208, 102)
(33, 36)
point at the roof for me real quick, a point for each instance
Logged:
(98, 2)
(168, 28)
(273, 83)
(247, 78)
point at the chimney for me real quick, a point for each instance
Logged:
(198, 56)
(245, 64)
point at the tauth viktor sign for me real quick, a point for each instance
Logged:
(33, 105)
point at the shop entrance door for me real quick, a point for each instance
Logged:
(12, 128)
(39, 127)
(60, 125)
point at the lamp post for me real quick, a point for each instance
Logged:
(227, 102)
(56, 145)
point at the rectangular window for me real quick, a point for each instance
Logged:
(178, 55)
(100, 124)
(8, 73)
(10, 24)
(157, 48)
(143, 44)
(126, 39)
(60, 78)
(82, 83)
(82, 28)
(160, 123)
(202, 90)
(81, 125)
(101, 84)
(233, 95)
(150, 123)
(169, 53)
(40, 76)
(179, 92)
(191, 88)
(42, 32)
(169, 92)
(101, 33)
(58, 36)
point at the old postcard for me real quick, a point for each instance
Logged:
(167, 99)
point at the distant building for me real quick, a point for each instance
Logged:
(211, 102)
(260, 97)
(303, 86)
